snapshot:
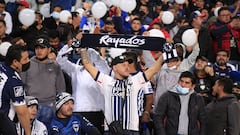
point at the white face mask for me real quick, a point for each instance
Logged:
(182, 90)
(172, 68)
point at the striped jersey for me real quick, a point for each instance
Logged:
(114, 95)
(11, 90)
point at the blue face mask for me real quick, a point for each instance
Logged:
(182, 90)
(55, 15)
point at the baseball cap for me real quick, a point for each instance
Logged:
(237, 85)
(42, 41)
(24, 3)
(118, 59)
(195, 14)
(62, 98)
(30, 100)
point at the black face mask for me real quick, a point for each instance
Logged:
(237, 95)
(26, 66)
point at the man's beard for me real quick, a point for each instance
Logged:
(221, 63)
(42, 59)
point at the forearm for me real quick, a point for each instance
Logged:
(149, 102)
(24, 118)
(154, 69)
(88, 64)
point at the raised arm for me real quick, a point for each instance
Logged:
(87, 63)
(155, 68)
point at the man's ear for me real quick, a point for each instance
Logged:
(193, 86)
(114, 67)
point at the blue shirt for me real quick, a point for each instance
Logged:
(74, 125)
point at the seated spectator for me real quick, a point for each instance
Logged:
(236, 90)
(222, 67)
(67, 123)
(37, 127)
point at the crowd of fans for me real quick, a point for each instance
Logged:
(55, 90)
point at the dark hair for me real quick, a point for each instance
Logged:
(137, 19)
(223, 50)
(159, 24)
(188, 74)
(53, 34)
(180, 19)
(40, 15)
(226, 83)
(55, 6)
(14, 52)
(223, 9)
(220, 1)
(74, 14)
(2, 2)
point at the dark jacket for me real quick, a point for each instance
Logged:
(169, 107)
(223, 116)
(204, 39)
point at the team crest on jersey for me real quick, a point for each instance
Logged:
(18, 91)
(75, 126)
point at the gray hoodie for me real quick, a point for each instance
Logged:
(43, 81)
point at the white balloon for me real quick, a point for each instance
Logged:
(64, 16)
(189, 37)
(4, 48)
(114, 52)
(167, 17)
(45, 10)
(116, 2)
(216, 11)
(180, 1)
(80, 11)
(99, 9)
(26, 16)
(128, 5)
(156, 33)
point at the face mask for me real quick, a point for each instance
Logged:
(237, 95)
(182, 90)
(26, 66)
(173, 67)
(55, 15)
